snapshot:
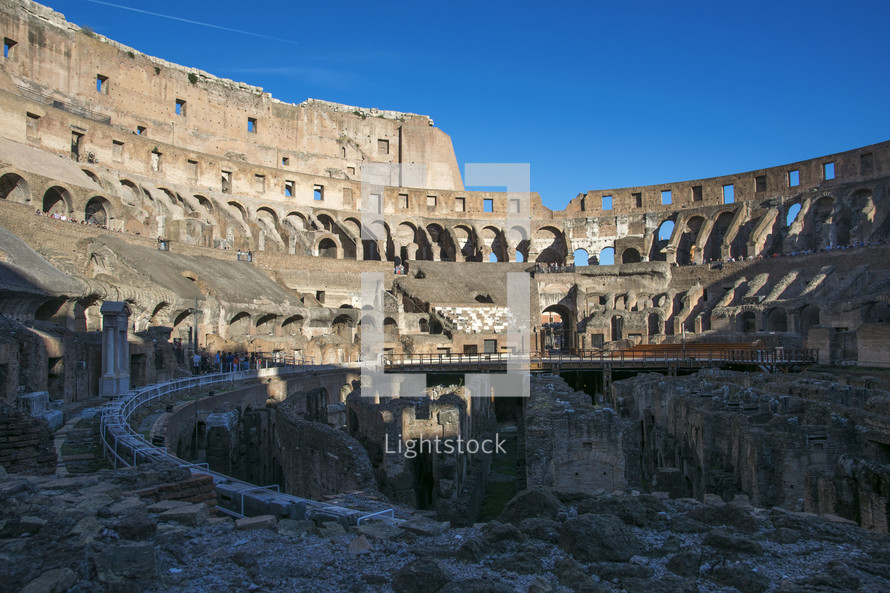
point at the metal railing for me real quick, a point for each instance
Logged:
(692, 357)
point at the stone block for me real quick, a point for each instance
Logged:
(259, 522)
(192, 514)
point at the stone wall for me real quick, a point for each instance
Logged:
(26, 444)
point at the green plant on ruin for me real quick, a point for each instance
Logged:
(88, 31)
(132, 55)
(157, 69)
(193, 78)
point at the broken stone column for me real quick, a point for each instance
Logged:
(115, 349)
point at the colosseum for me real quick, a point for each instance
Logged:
(285, 298)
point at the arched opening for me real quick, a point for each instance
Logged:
(661, 240)
(48, 310)
(748, 322)
(266, 324)
(776, 320)
(686, 247)
(878, 312)
(293, 325)
(631, 256)
(809, 317)
(519, 256)
(607, 256)
(492, 258)
(557, 329)
(424, 326)
(862, 215)
(713, 248)
(240, 323)
(96, 212)
(57, 201)
(793, 211)
(581, 258)
(823, 221)
(466, 242)
(342, 326)
(390, 327)
(15, 189)
(550, 246)
(441, 239)
(327, 248)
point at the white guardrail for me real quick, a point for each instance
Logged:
(122, 445)
(126, 447)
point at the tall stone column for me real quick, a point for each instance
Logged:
(115, 349)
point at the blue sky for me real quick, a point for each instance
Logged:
(593, 96)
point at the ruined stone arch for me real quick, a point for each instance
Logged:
(441, 241)
(343, 326)
(630, 256)
(686, 251)
(58, 200)
(606, 256)
(205, 204)
(15, 188)
(270, 229)
(548, 245)
(347, 240)
(775, 320)
(157, 313)
(653, 324)
(239, 210)
(293, 325)
(822, 231)
(493, 242)
(808, 318)
(390, 327)
(558, 335)
(713, 249)
(179, 317)
(661, 238)
(518, 242)
(327, 245)
(239, 323)
(466, 242)
(862, 215)
(98, 211)
(266, 324)
(93, 177)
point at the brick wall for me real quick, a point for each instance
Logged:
(26, 444)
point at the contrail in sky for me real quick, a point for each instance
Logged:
(191, 22)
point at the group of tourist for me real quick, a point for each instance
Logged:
(554, 268)
(64, 218)
(225, 362)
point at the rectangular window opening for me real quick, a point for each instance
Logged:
(226, 184)
(318, 193)
(259, 183)
(102, 84)
(155, 160)
(193, 170)
(728, 194)
(431, 201)
(117, 150)
(666, 197)
(514, 206)
(289, 189)
(638, 200)
(8, 48)
(607, 202)
(180, 107)
(696, 193)
(319, 296)
(867, 163)
(460, 205)
(827, 171)
(285, 161)
(251, 125)
(760, 183)
(488, 205)
(383, 146)
(403, 200)
(793, 178)
(31, 124)
(140, 130)
(350, 171)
